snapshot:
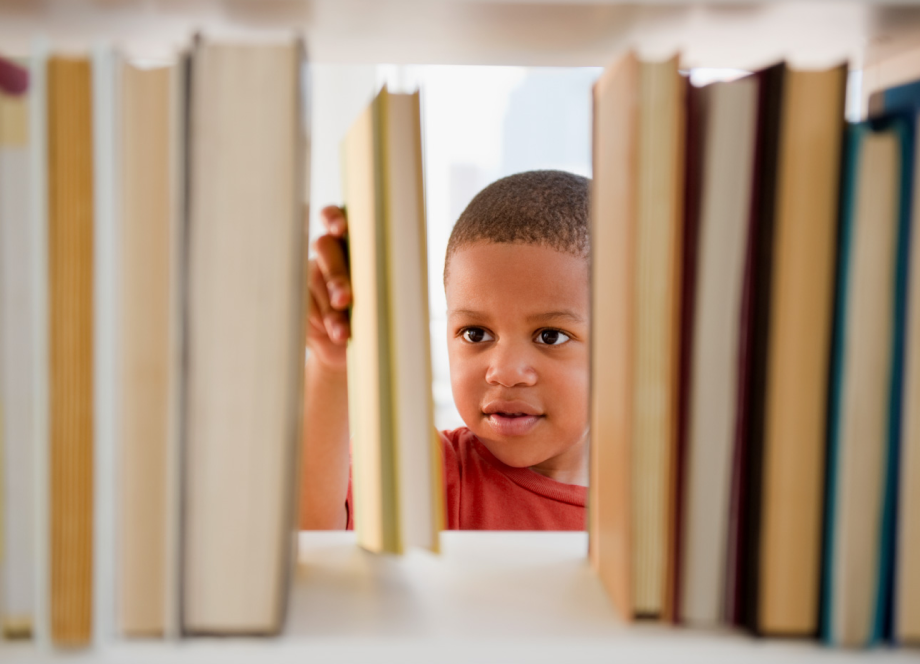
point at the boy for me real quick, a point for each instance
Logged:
(516, 280)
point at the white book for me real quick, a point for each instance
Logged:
(38, 211)
(729, 119)
(244, 334)
(17, 601)
(105, 339)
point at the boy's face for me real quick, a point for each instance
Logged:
(518, 347)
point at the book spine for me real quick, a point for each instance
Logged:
(749, 447)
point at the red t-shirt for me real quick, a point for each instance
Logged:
(482, 493)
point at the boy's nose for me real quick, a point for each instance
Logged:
(510, 366)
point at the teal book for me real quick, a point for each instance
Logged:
(901, 621)
(865, 384)
(904, 126)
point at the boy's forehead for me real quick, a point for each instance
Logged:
(526, 278)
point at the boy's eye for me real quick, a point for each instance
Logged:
(552, 337)
(475, 335)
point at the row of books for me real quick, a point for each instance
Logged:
(754, 450)
(152, 262)
(755, 431)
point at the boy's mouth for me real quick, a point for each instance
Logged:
(511, 418)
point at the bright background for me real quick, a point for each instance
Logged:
(479, 124)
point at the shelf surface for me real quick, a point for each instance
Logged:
(496, 32)
(488, 597)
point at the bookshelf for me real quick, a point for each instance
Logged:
(491, 596)
(570, 33)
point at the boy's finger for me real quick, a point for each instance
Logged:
(318, 292)
(322, 315)
(337, 327)
(334, 220)
(330, 257)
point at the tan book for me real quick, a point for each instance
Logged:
(396, 455)
(799, 349)
(660, 171)
(70, 261)
(17, 435)
(244, 334)
(149, 206)
(637, 214)
(613, 241)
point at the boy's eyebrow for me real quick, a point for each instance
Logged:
(467, 313)
(566, 314)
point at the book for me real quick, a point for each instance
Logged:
(70, 325)
(744, 518)
(658, 246)
(693, 175)
(243, 333)
(16, 373)
(726, 148)
(861, 387)
(798, 353)
(906, 619)
(904, 102)
(647, 175)
(149, 151)
(613, 236)
(106, 386)
(396, 451)
(39, 159)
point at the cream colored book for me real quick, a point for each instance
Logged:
(244, 333)
(17, 523)
(396, 455)
(148, 261)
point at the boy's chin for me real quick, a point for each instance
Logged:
(505, 452)
(515, 451)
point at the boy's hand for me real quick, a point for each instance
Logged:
(330, 293)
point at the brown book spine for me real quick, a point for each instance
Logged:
(744, 546)
(70, 246)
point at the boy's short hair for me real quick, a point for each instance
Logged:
(548, 208)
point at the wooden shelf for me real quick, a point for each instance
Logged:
(509, 597)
